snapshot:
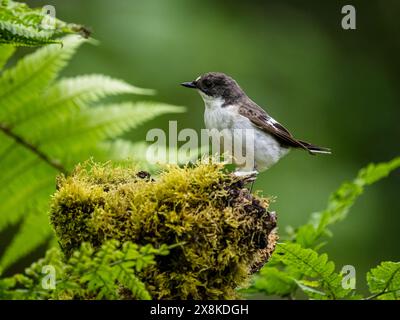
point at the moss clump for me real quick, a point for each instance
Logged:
(225, 233)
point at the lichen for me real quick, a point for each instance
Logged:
(223, 232)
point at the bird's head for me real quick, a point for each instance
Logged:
(216, 85)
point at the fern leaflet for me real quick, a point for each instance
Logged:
(384, 281)
(314, 266)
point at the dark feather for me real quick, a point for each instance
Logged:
(262, 120)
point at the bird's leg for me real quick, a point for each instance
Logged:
(252, 183)
(248, 176)
(251, 186)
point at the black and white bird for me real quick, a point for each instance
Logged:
(227, 107)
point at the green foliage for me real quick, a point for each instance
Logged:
(23, 26)
(340, 203)
(5, 52)
(110, 272)
(296, 262)
(322, 282)
(384, 281)
(47, 125)
(272, 281)
(224, 232)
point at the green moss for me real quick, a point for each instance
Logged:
(224, 232)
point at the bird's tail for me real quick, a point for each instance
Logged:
(313, 149)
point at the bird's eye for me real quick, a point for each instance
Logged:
(207, 83)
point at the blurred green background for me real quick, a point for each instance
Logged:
(330, 86)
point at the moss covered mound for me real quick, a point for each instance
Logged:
(224, 232)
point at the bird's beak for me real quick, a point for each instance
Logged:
(191, 84)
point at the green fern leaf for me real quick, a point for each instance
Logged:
(107, 121)
(30, 77)
(317, 267)
(341, 201)
(384, 281)
(131, 282)
(108, 272)
(48, 127)
(101, 280)
(27, 167)
(23, 26)
(375, 172)
(272, 281)
(33, 231)
(17, 34)
(6, 52)
(68, 96)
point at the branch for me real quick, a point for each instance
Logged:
(51, 162)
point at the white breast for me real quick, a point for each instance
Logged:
(217, 116)
(267, 150)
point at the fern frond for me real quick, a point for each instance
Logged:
(47, 127)
(308, 287)
(20, 35)
(6, 52)
(32, 233)
(69, 95)
(375, 172)
(106, 121)
(272, 281)
(29, 284)
(108, 272)
(31, 76)
(384, 281)
(14, 206)
(24, 167)
(312, 272)
(126, 270)
(23, 26)
(317, 267)
(100, 279)
(341, 201)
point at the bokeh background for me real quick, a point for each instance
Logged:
(333, 87)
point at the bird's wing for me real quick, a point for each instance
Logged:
(267, 124)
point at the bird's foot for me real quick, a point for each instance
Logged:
(246, 173)
(246, 176)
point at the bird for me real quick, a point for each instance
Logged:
(229, 109)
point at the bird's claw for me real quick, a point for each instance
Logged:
(248, 176)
